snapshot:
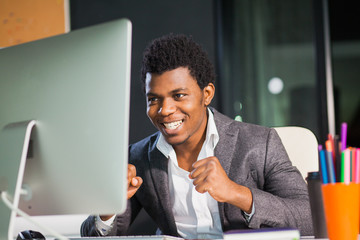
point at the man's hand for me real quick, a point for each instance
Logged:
(209, 176)
(134, 182)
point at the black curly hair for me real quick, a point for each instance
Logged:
(172, 51)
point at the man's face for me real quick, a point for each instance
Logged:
(177, 106)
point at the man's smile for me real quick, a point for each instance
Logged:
(172, 125)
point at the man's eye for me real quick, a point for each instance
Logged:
(151, 100)
(179, 95)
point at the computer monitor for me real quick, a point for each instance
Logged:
(76, 88)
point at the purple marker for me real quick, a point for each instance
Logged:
(343, 136)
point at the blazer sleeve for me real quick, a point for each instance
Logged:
(88, 227)
(121, 223)
(284, 200)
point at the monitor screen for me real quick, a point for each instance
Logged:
(76, 87)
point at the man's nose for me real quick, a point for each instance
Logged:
(168, 107)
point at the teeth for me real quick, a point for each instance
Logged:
(172, 125)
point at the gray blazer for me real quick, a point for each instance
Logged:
(251, 155)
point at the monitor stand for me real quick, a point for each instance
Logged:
(14, 145)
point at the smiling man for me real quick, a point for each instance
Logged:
(203, 173)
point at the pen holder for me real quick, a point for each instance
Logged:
(341, 204)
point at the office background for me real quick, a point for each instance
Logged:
(278, 62)
(267, 53)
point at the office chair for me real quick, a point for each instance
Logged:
(302, 147)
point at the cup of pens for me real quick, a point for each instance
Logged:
(340, 170)
(341, 205)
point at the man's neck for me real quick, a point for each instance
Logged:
(186, 159)
(188, 152)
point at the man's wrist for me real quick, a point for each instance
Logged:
(242, 198)
(106, 217)
(248, 216)
(104, 227)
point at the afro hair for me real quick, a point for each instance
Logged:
(173, 51)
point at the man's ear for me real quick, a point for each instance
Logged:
(208, 92)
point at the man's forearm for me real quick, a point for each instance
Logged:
(241, 197)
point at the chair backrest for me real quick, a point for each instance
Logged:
(302, 147)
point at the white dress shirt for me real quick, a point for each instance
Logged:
(196, 215)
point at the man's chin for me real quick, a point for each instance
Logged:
(175, 140)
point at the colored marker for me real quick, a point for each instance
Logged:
(332, 143)
(343, 136)
(347, 166)
(353, 164)
(342, 168)
(329, 148)
(330, 167)
(323, 167)
(320, 147)
(337, 158)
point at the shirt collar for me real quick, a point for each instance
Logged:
(212, 138)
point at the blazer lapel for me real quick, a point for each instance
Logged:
(225, 149)
(159, 174)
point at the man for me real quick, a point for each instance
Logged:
(203, 173)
